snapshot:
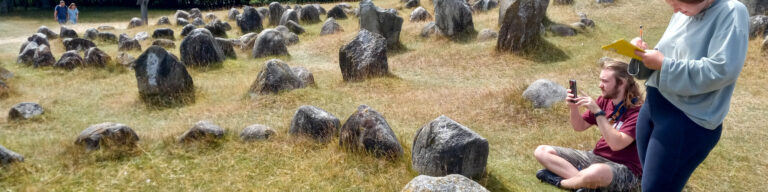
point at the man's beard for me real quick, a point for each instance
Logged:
(611, 95)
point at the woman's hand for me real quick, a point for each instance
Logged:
(637, 41)
(651, 58)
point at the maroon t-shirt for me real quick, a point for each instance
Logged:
(626, 124)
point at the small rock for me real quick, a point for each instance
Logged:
(195, 13)
(452, 182)
(39, 38)
(91, 34)
(218, 28)
(67, 33)
(233, 13)
(256, 132)
(210, 16)
(69, 60)
(187, 29)
(78, 44)
(315, 123)
(306, 77)
(198, 22)
(295, 27)
(24, 111)
(135, 22)
(48, 32)
(126, 43)
(44, 57)
(108, 134)
(181, 22)
(164, 21)
(337, 12)
(330, 27)
(125, 59)
(270, 42)
(310, 15)
(202, 131)
(543, 93)
(275, 76)
(96, 57)
(420, 14)
(412, 4)
(8, 157)
(141, 36)
(181, 14)
(107, 37)
(163, 33)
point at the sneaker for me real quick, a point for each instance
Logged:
(548, 177)
(587, 190)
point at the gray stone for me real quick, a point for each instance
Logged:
(198, 22)
(314, 123)
(105, 28)
(210, 16)
(263, 12)
(330, 27)
(109, 135)
(306, 77)
(233, 14)
(107, 37)
(227, 47)
(364, 57)
(25, 110)
(135, 22)
(758, 26)
(444, 147)
(202, 131)
(181, 22)
(163, 21)
(275, 76)
(248, 41)
(95, 57)
(384, 22)
(256, 132)
(310, 15)
(487, 35)
(125, 59)
(412, 4)
(289, 37)
(163, 33)
(8, 157)
(543, 93)
(485, 5)
(218, 28)
(420, 14)
(126, 43)
(195, 13)
(270, 42)
(141, 36)
(289, 15)
(454, 18)
(199, 48)
(319, 9)
(48, 32)
(91, 34)
(337, 12)
(275, 13)
(27, 54)
(249, 21)
(161, 78)
(368, 130)
(43, 57)
(295, 27)
(39, 38)
(562, 30)
(69, 60)
(181, 14)
(187, 29)
(165, 43)
(452, 182)
(521, 23)
(586, 21)
(78, 44)
(67, 33)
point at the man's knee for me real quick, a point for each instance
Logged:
(542, 151)
(597, 175)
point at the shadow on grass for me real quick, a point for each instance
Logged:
(541, 52)
(492, 183)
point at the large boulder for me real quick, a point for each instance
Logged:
(126, 43)
(91, 34)
(195, 13)
(314, 123)
(275, 13)
(109, 135)
(233, 14)
(135, 22)
(67, 33)
(25, 110)
(337, 12)
(27, 54)
(8, 157)
(165, 43)
(256, 132)
(163, 33)
(758, 26)
(330, 27)
(543, 93)
(107, 37)
(43, 56)
(270, 42)
(163, 21)
(310, 14)
(227, 47)
(367, 130)
(199, 49)
(161, 78)
(484, 5)
(198, 22)
(218, 28)
(249, 21)
(69, 60)
(444, 147)
(187, 29)
(39, 38)
(384, 22)
(275, 76)
(202, 131)
(96, 57)
(181, 22)
(454, 18)
(295, 27)
(420, 14)
(306, 77)
(452, 182)
(289, 15)
(289, 37)
(48, 32)
(181, 14)
(521, 23)
(364, 57)
(78, 44)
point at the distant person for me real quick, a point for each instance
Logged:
(613, 165)
(695, 66)
(72, 13)
(60, 13)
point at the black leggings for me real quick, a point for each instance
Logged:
(670, 145)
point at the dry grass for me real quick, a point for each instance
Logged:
(467, 81)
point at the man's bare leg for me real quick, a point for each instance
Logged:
(547, 156)
(594, 176)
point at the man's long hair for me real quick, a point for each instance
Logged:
(632, 90)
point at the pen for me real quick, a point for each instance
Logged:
(641, 33)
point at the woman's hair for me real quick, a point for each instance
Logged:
(622, 77)
(72, 5)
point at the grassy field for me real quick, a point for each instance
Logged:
(467, 81)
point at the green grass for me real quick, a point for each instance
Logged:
(469, 82)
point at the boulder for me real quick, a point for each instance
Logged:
(141, 36)
(412, 4)
(295, 27)
(330, 27)
(233, 13)
(256, 132)
(384, 22)
(420, 14)
(454, 18)
(310, 15)
(314, 123)
(91, 34)
(43, 57)
(165, 43)
(125, 59)
(199, 48)
(210, 16)
(263, 12)
(195, 13)
(248, 41)
(135, 22)
(218, 28)
(758, 26)
(368, 130)
(181, 22)
(202, 131)
(306, 77)
(521, 24)
(275, 76)
(275, 13)
(68, 33)
(48, 32)
(25, 110)
(198, 22)
(161, 78)
(320, 9)
(227, 47)
(487, 35)
(181, 14)
(444, 147)
(107, 37)
(562, 30)
(109, 135)
(485, 5)
(163, 33)
(364, 57)
(163, 21)
(289, 15)
(543, 93)
(39, 38)
(270, 42)
(27, 54)
(126, 43)
(69, 60)
(96, 57)
(452, 182)
(78, 44)
(289, 37)
(249, 21)
(8, 157)
(105, 28)
(337, 12)
(187, 29)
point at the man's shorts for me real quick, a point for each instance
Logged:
(623, 178)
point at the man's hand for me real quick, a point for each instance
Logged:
(584, 100)
(651, 58)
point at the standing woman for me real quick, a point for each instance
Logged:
(73, 13)
(691, 76)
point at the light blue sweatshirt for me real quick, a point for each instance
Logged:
(703, 56)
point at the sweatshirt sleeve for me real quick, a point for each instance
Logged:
(719, 68)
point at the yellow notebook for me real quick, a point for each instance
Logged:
(623, 47)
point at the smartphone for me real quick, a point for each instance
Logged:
(574, 90)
